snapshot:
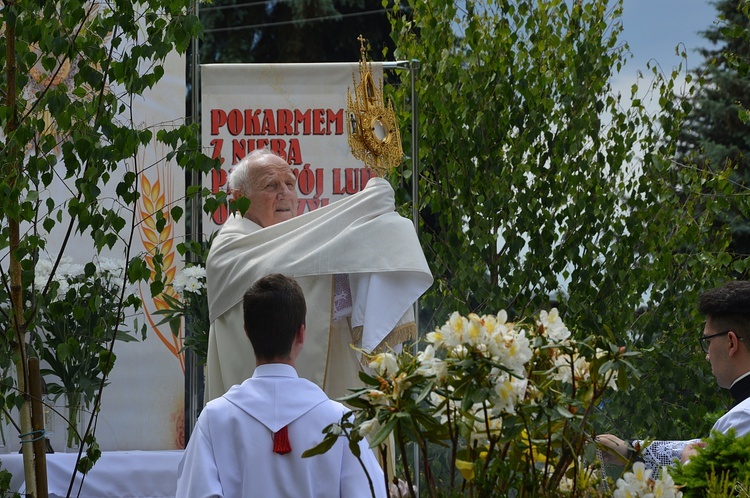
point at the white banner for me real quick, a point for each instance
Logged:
(143, 405)
(296, 110)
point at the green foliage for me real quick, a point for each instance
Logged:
(722, 465)
(5, 480)
(540, 182)
(716, 135)
(71, 161)
(191, 303)
(77, 324)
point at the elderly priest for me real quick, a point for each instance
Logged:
(359, 263)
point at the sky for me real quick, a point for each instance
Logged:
(653, 28)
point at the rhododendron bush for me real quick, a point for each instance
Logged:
(511, 404)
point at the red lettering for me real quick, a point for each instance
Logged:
(234, 122)
(336, 119)
(319, 182)
(284, 122)
(220, 215)
(364, 176)
(241, 147)
(306, 180)
(280, 122)
(304, 205)
(269, 124)
(337, 190)
(218, 119)
(295, 154)
(252, 123)
(304, 119)
(217, 144)
(218, 180)
(355, 180)
(319, 121)
(352, 185)
(238, 150)
(278, 146)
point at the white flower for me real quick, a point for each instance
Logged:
(65, 274)
(194, 286)
(638, 484)
(400, 384)
(336, 430)
(368, 427)
(459, 352)
(69, 270)
(42, 272)
(554, 328)
(400, 489)
(508, 391)
(452, 333)
(429, 366)
(376, 397)
(108, 266)
(665, 486)
(190, 279)
(610, 375)
(436, 400)
(385, 364)
(566, 485)
(475, 334)
(511, 348)
(568, 367)
(194, 272)
(493, 321)
(479, 435)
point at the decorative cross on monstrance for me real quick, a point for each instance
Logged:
(372, 129)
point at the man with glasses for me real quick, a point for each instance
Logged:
(725, 340)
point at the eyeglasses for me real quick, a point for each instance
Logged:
(704, 339)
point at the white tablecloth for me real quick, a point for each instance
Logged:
(117, 474)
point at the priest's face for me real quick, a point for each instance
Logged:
(273, 193)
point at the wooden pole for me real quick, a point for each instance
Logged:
(37, 425)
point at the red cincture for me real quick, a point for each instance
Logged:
(281, 441)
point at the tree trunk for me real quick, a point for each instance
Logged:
(14, 170)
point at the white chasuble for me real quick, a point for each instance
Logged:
(360, 236)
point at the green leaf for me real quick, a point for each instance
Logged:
(322, 447)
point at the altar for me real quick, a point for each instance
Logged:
(133, 474)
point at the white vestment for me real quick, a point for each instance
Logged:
(661, 453)
(738, 418)
(230, 453)
(360, 236)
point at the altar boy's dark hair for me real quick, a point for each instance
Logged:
(274, 310)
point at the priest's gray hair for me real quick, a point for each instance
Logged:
(239, 176)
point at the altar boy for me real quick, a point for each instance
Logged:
(249, 442)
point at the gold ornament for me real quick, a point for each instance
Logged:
(372, 131)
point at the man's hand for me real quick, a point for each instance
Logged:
(614, 449)
(690, 450)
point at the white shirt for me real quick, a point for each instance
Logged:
(230, 453)
(738, 418)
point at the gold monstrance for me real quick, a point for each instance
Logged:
(373, 134)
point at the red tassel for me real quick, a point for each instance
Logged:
(281, 441)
